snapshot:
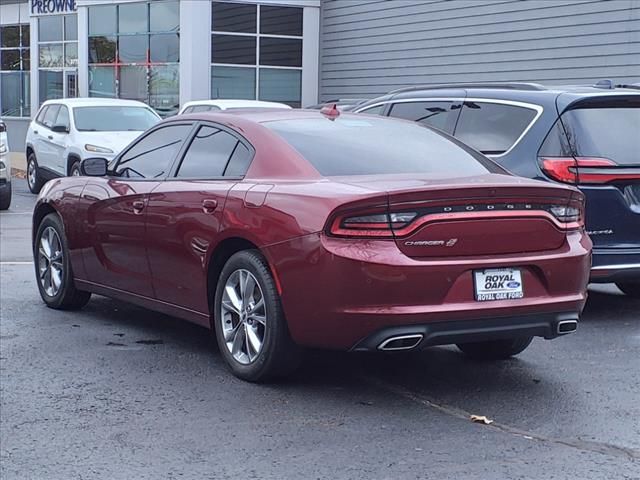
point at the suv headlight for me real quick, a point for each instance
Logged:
(96, 149)
(3, 148)
(2, 165)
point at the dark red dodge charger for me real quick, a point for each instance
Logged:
(287, 229)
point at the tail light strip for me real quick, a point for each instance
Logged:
(587, 170)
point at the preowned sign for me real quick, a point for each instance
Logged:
(41, 7)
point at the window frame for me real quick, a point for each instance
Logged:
(113, 165)
(173, 172)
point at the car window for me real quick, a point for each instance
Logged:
(204, 108)
(152, 155)
(239, 161)
(377, 110)
(435, 114)
(359, 145)
(492, 128)
(50, 116)
(42, 113)
(187, 110)
(63, 117)
(114, 119)
(208, 154)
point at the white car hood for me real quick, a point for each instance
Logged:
(115, 141)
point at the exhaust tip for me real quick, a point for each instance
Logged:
(567, 326)
(402, 342)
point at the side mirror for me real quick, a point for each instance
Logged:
(94, 167)
(60, 129)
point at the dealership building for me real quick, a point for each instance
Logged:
(167, 52)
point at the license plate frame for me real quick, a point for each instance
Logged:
(503, 284)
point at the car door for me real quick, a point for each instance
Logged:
(115, 210)
(45, 151)
(58, 139)
(184, 214)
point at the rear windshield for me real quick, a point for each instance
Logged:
(370, 146)
(114, 119)
(606, 132)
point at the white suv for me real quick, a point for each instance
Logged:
(66, 131)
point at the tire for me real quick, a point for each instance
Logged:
(495, 349)
(74, 171)
(34, 179)
(278, 355)
(630, 288)
(5, 196)
(66, 296)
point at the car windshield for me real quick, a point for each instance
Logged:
(368, 146)
(114, 119)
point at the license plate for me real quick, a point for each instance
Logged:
(498, 284)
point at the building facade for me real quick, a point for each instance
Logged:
(167, 52)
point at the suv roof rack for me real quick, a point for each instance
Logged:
(505, 85)
(609, 85)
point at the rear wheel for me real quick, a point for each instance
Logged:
(34, 179)
(495, 349)
(631, 289)
(250, 326)
(53, 267)
(5, 196)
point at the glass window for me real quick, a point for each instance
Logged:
(377, 110)
(10, 84)
(164, 16)
(281, 20)
(133, 48)
(151, 156)
(102, 82)
(375, 145)
(42, 113)
(492, 128)
(51, 55)
(133, 83)
(165, 48)
(208, 154)
(233, 17)
(10, 36)
(26, 38)
(26, 59)
(51, 115)
(71, 27)
(283, 52)
(203, 108)
(102, 20)
(114, 119)
(71, 54)
(133, 18)
(435, 114)
(10, 60)
(233, 82)
(102, 49)
(63, 117)
(164, 91)
(281, 85)
(50, 85)
(239, 162)
(233, 49)
(50, 28)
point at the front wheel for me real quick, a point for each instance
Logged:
(250, 326)
(495, 349)
(5, 196)
(630, 288)
(34, 180)
(53, 267)
(74, 171)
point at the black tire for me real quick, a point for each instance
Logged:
(74, 171)
(5, 196)
(34, 179)
(68, 297)
(495, 349)
(630, 288)
(279, 355)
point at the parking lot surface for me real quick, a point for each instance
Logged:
(119, 392)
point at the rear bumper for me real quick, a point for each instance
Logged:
(337, 292)
(615, 264)
(548, 326)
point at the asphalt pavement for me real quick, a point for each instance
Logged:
(118, 392)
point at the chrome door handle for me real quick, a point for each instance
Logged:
(35, 132)
(209, 205)
(50, 137)
(138, 206)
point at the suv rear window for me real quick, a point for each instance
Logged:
(492, 128)
(369, 146)
(611, 132)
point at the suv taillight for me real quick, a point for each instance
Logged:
(586, 170)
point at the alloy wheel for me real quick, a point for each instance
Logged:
(31, 174)
(243, 316)
(50, 262)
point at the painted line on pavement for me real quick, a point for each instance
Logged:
(16, 263)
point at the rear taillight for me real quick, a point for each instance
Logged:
(586, 170)
(378, 225)
(569, 216)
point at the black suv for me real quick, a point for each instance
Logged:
(587, 136)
